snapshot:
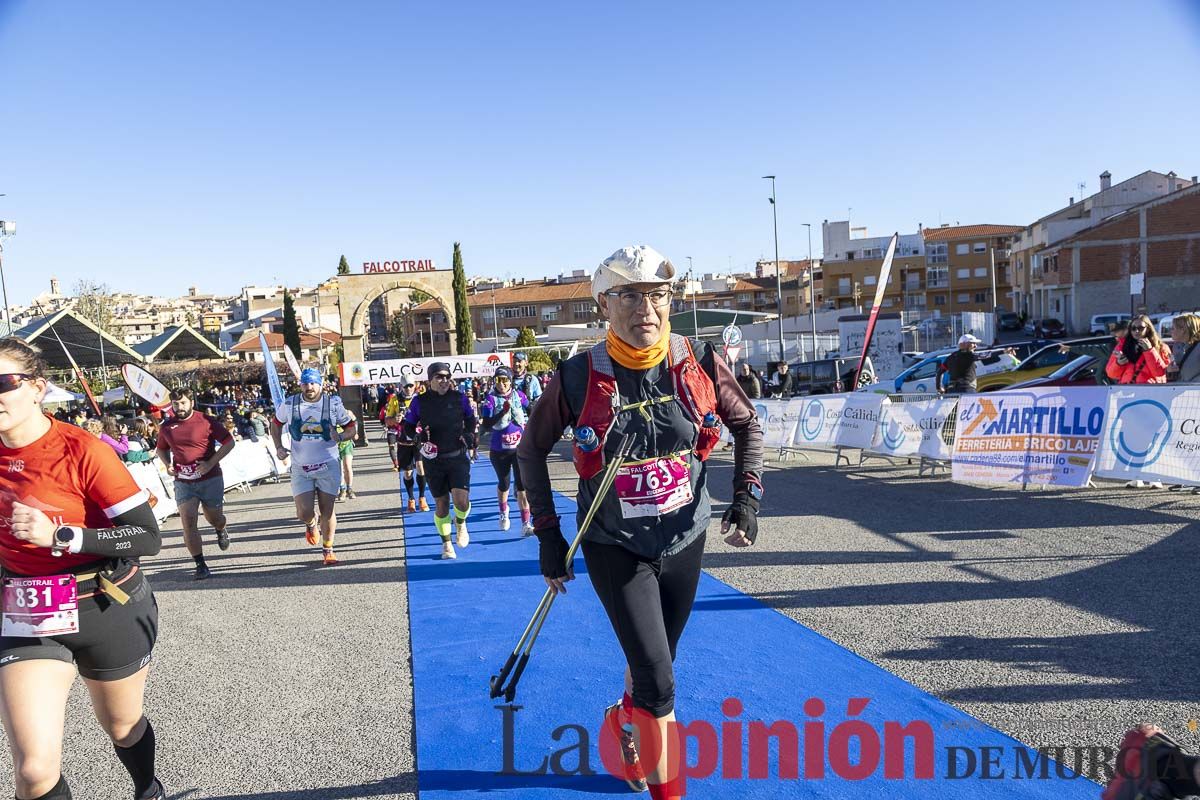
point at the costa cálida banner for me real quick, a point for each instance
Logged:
(1153, 434)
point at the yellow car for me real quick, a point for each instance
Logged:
(1046, 360)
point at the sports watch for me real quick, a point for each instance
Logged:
(64, 537)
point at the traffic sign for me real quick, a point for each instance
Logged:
(731, 335)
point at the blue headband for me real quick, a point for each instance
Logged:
(311, 375)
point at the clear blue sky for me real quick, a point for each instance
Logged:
(154, 146)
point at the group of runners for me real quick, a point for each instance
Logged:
(645, 408)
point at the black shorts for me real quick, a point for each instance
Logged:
(445, 473)
(114, 640)
(406, 456)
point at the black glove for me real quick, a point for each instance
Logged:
(742, 515)
(552, 552)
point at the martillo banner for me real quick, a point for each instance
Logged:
(403, 370)
(1042, 436)
(1153, 434)
(916, 428)
(837, 420)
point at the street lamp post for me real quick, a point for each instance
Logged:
(7, 228)
(778, 279)
(812, 290)
(695, 323)
(495, 320)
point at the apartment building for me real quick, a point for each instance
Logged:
(851, 265)
(967, 268)
(1038, 289)
(1089, 273)
(526, 304)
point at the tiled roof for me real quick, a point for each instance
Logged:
(529, 293)
(968, 232)
(249, 342)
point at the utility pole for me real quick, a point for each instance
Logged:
(778, 278)
(695, 317)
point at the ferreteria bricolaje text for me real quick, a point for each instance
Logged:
(852, 749)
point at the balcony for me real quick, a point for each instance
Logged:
(1003, 252)
(942, 282)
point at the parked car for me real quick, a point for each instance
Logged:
(1103, 323)
(1049, 327)
(1168, 320)
(1010, 321)
(1081, 371)
(935, 326)
(922, 378)
(824, 376)
(1047, 360)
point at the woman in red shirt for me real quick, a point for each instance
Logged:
(72, 525)
(1140, 356)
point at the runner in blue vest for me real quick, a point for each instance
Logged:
(312, 418)
(644, 547)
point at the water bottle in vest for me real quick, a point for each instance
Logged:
(710, 420)
(586, 439)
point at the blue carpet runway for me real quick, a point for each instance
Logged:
(466, 616)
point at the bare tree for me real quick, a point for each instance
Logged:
(93, 302)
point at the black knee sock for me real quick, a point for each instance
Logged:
(408, 487)
(420, 485)
(139, 761)
(60, 791)
(199, 560)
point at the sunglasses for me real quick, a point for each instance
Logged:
(12, 380)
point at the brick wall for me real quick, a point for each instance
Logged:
(1108, 262)
(1178, 216)
(1128, 227)
(1178, 257)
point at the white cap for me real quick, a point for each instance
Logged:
(967, 338)
(640, 264)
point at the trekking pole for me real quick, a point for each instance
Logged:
(519, 657)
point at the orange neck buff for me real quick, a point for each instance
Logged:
(631, 357)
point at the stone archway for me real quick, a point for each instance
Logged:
(357, 292)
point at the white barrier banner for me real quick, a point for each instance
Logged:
(778, 419)
(397, 370)
(149, 476)
(916, 428)
(1153, 434)
(1045, 436)
(249, 462)
(837, 420)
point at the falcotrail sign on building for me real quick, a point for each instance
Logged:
(420, 265)
(406, 370)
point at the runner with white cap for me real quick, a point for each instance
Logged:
(643, 548)
(312, 418)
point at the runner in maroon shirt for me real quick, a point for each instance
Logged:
(187, 444)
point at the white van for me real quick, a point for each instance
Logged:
(1103, 323)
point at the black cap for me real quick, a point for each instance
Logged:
(437, 368)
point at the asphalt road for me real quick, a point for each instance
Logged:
(1059, 617)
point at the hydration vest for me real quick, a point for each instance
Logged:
(297, 424)
(694, 390)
